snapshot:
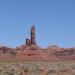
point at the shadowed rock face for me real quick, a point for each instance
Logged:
(32, 40)
(31, 51)
(33, 35)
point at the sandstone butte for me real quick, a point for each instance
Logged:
(30, 51)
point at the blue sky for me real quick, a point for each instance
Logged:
(54, 21)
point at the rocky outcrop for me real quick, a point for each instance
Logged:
(31, 51)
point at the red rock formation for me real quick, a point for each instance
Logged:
(31, 51)
(33, 35)
(28, 41)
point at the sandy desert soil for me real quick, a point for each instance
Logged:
(37, 68)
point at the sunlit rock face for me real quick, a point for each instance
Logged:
(31, 59)
(34, 52)
(31, 51)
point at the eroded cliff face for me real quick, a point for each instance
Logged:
(34, 52)
(31, 51)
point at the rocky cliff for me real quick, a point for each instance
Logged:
(31, 51)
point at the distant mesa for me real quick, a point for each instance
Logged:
(31, 51)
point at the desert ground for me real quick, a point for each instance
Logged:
(37, 68)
